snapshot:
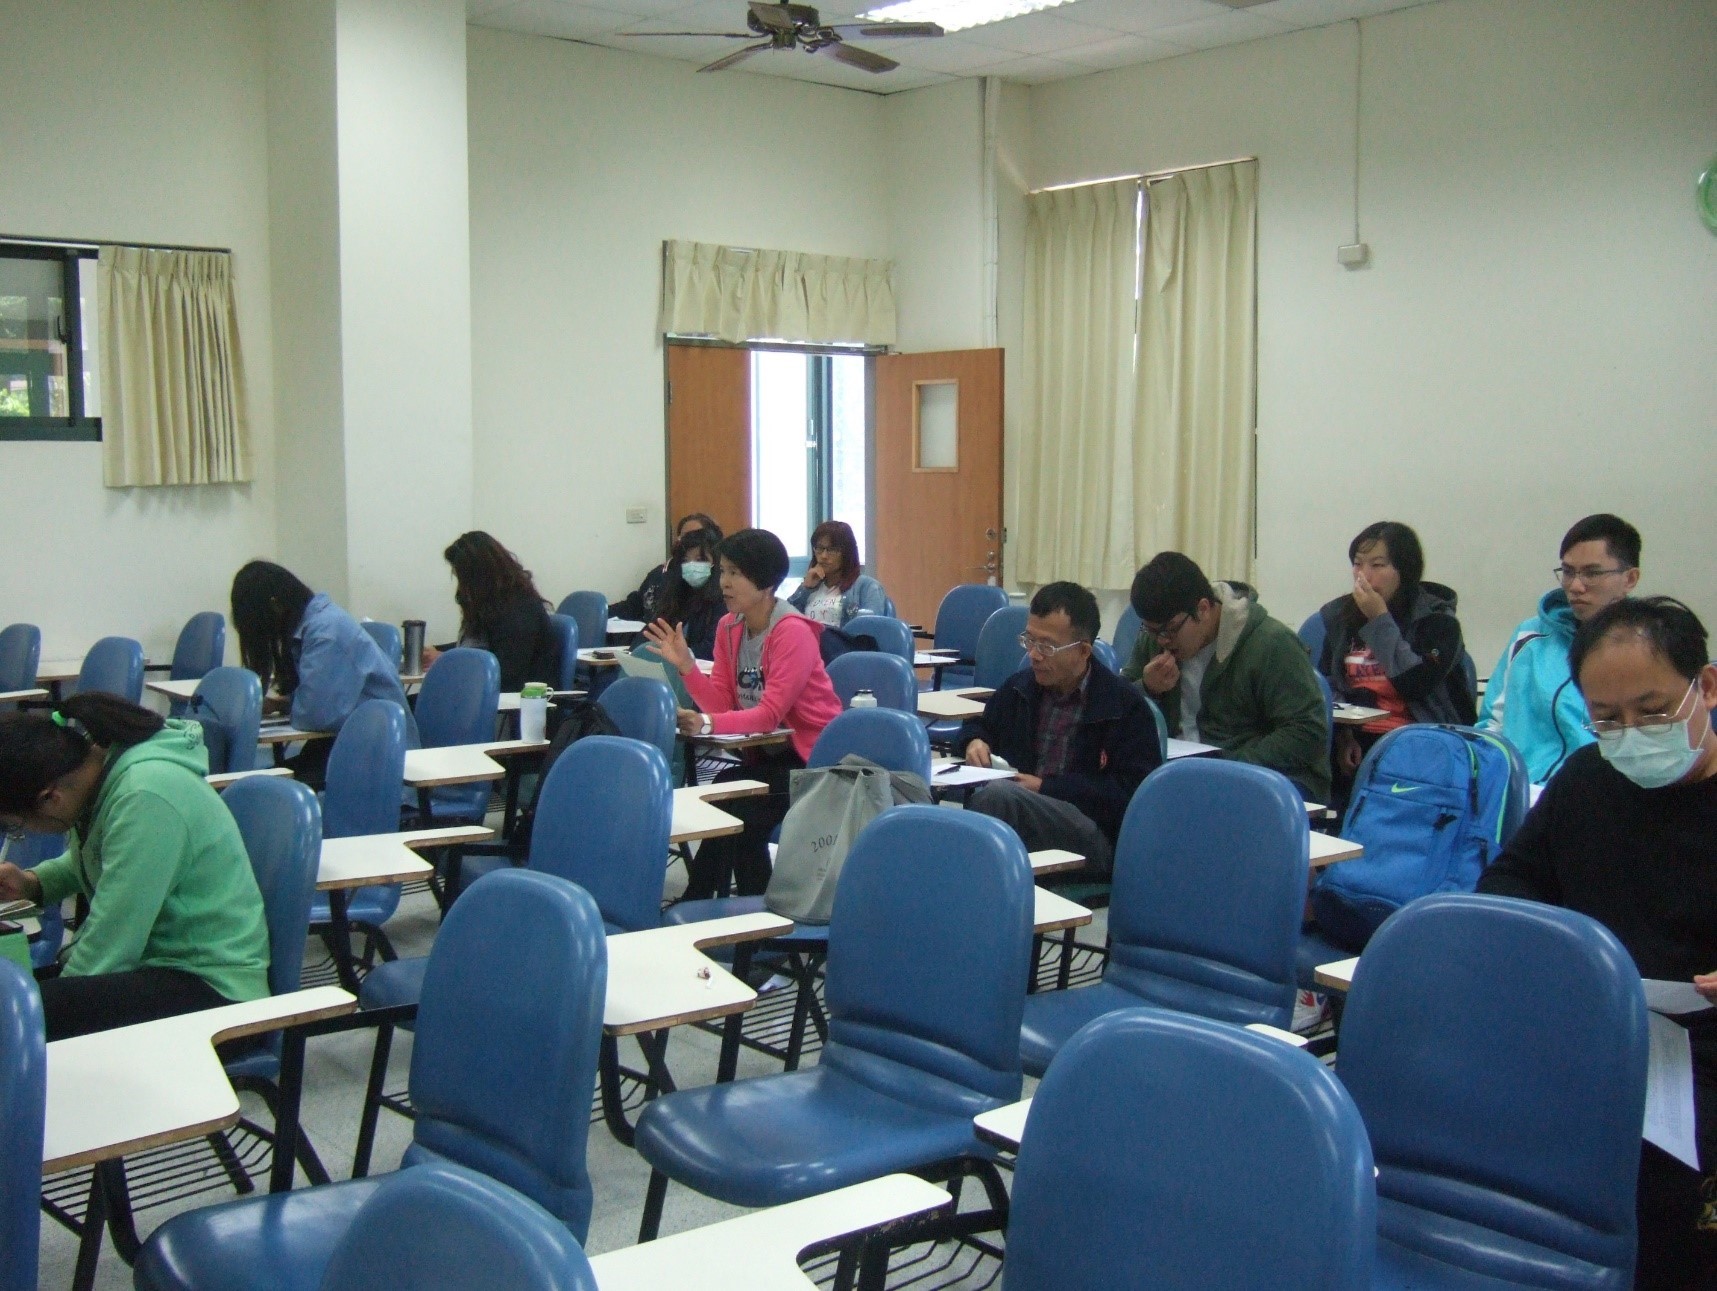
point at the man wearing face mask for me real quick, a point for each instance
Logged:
(1626, 832)
(691, 595)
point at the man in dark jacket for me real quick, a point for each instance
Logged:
(1080, 738)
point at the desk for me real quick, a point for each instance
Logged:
(1337, 976)
(1356, 714)
(1327, 849)
(697, 818)
(180, 690)
(219, 780)
(1053, 913)
(509, 701)
(1054, 860)
(56, 671)
(958, 705)
(453, 764)
(722, 790)
(12, 696)
(1189, 749)
(760, 1251)
(762, 739)
(947, 773)
(599, 657)
(624, 627)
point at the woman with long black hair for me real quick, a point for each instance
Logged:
(500, 610)
(175, 919)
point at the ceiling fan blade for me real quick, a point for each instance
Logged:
(776, 17)
(708, 35)
(853, 56)
(738, 56)
(873, 30)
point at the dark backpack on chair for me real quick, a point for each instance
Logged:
(834, 643)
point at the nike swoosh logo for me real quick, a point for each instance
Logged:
(1402, 788)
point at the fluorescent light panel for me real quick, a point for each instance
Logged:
(956, 15)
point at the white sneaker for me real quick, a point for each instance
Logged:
(1311, 1011)
(775, 983)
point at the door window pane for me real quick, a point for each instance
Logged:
(779, 461)
(849, 454)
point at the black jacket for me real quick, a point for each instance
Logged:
(1113, 749)
(518, 634)
(1422, 662)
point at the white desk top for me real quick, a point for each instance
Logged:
(950, 703)
(1188, 749)
(600, 656)
(1053, 912)
(454, 764)
(760, 1251)
(286, 733)
(932, 658)
(722, 790)
(661, 977)
(142, 1086)
(624, 627)
(221, 779)
(387, 858)
(695, 818)
(946, 773)
(182, 689)
(1327, 849)
(510, 699)
(780, 735)
(511, 748)
(1053, 860)
(7, 696)
(1356, 714)
(1337, 976)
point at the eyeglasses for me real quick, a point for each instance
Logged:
(1038, 648)
(1168, 629)
(1589, 575)
(823, 549)
(1607, 730)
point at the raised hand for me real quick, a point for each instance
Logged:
(670, 642)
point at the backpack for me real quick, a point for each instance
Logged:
(1433, 805)
(834, 643)
(575, 724)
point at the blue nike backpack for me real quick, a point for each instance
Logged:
(1433, 805)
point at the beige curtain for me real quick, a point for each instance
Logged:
(1197, 368)
(737, 294)
(1074, 492)
(173, 404)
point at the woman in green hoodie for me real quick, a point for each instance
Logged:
(175, 919)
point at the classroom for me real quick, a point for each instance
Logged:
(452, 231)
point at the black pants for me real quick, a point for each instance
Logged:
(310, 764)
(1674, 1253)
(745, 856)
(79, 1005)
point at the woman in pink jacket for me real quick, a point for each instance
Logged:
(768, 674)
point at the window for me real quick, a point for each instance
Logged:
(810, 445)
(50, 385)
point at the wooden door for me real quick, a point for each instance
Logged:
(709, 434)
(938, 450)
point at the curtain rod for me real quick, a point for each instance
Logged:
(1148, 176)
(78, 244)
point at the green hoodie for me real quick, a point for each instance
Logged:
(1259, 700)
(161, 861)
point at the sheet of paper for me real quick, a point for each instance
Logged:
(956, 774)
(1669, 1091)
(1672, 997)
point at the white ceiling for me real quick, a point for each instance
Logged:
(1070, 40)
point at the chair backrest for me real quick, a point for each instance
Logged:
(643, 709)
(1162, 725)
(1311, 634)
(603, 818)
(887, 676)
(890, 634)
(366, 770)
(496, 1071)
(23, 1104)
(1104, 653)
(460, 694)
(202, 645)
(1497, 1051)
(441, 1227)
(281, 824)
(26, 853)
(387, 639)
(1126, 634)
(1208, 891)
(590, 611)
(114, 665)
(887, 736)
(564, 629)
(933, 986)
(1217, 1158)
(228, 703)
(999, 652)
(1329, 704)
(20, 652)
(962, 615)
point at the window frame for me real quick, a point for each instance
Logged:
(75, 428)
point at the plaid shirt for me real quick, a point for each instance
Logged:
(1057, 719)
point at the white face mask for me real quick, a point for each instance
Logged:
(695, 572)
(1654, 757)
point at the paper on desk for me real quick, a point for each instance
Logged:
(956, 774)
(1669, 1091)
(1672, 997)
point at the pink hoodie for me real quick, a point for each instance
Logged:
(797, 693)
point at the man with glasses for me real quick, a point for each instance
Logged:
(1080, 738)
(1532, 699)
(1225, 673)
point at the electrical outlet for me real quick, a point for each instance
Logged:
(1355, 255)
(637, 515)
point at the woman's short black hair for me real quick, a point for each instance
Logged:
(758, 554)
(1169, 585)
(1405, 554)
(1672, 631)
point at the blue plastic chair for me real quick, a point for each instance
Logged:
(500, 1078)
(590, 611)
(441, 1227)
(1215, 1158)
(1104, 653)
(114, 665)
(890, 634)
(20, 652)
(387, 639)
(959, 619)
(999, 656)
(202, 646)
(887, 676)
(643, 708)
(23, 1104)
(1497, 1051)
(1126, 634)
(1205, 905)
(1162, 725)
(1311, 634)
(457, 705)
(366, 771)
(886, 736)
(1329, 706)
(228, 703)
(27, 853)
(923, 1030)
(565, 633)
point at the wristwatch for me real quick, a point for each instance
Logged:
(707, 726)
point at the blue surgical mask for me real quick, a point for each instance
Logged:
(1653, 757)
(695, 572)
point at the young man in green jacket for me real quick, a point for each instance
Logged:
(1225, 673)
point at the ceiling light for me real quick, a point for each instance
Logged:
(956, 15)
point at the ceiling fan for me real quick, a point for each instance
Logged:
(789, 26)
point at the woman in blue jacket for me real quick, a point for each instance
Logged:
(836, 588)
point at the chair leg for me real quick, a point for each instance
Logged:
(613, 1097)
(372, 1101)
(654, 1197)
(304, 1151)
(873, 1265)
(1065, 974)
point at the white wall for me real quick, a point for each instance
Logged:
(135, 120)
(1534, 340)
(582, 162)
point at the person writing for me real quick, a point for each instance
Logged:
(500, 610)
(836, 588)
(175, 919)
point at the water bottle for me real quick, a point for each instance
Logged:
(533, 712)
(411, 657)
(864, 699)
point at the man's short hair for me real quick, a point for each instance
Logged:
(1672, 631)
(1171, 584)
(1617, 534)
(1075, 602)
